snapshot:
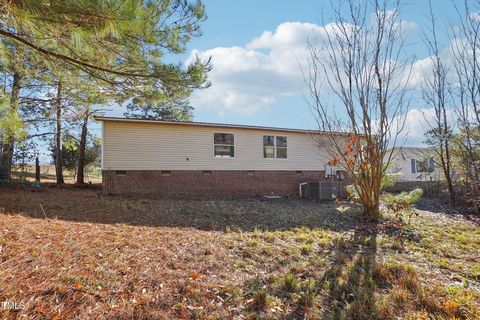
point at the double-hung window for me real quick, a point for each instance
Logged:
(275, 147)
(281, 147)
(223, 145)
(424, 166)
(268, 146)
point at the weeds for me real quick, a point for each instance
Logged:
(307, 249)
(261, 299)
(308, 294)
(289, 283)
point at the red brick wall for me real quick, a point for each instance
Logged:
(185, 183)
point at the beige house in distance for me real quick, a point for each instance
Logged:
(415, 164)
(207, 159)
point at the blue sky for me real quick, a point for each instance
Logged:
(254, 47)
(237, 23)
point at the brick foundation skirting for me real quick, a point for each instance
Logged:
(209, 183)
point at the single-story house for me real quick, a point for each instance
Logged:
(414, 164)
(208, 159)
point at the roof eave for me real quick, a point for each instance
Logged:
(204, 124)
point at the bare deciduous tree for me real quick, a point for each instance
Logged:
(360, 61)
(466, 53)
(435, 91)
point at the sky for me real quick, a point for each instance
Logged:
(257, 48)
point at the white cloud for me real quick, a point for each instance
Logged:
(406, 27)
(287, 35)
(422, 70)
(417, 73)
(417, 123)
(248, 79)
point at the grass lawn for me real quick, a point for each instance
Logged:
(73, 253)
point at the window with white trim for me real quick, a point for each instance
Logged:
(281, 147)
(268, 146)
(223, 145)
(274, 147)
(424, 166)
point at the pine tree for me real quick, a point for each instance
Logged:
(118, 44)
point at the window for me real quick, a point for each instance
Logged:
(223, 145)
(425, 166)
(268, 146)
(281, 147)
(275, 147)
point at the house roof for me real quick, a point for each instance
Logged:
(417, 151)
(206, 124)
(414, 148)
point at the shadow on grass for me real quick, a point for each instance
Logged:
(347, 289)
(85, 205)
(435, 205)
(349, 285)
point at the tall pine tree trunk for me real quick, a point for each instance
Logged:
(58, 135)
(81, 151)
(6, 156)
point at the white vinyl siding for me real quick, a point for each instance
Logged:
(161, 146)
(406, 162)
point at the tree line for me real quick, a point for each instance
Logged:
(359, 79)
(452, 91)
(61, 60)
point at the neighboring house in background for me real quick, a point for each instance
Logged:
(415, 164)
(207, 159)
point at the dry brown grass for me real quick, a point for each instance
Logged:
(84, 205)
(73, 253)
